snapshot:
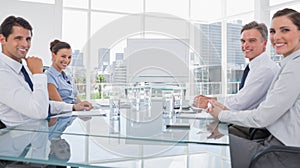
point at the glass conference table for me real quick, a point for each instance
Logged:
(135, 138)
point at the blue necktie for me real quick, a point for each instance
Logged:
(25, 151)
(244, 77)
(27, 78)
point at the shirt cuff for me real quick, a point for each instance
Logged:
(222, 116)
(60, 107)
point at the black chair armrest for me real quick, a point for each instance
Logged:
(285, 149)
(252, 133)
(258, 133)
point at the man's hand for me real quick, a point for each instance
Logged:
(201, 101)
(35, 65)
(84, 105)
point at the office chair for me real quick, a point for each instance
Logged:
(45, 68)
(258, 133)
(294, 151)
(272, 149)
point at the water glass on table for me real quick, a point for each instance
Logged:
(168, 102)
(114, 104)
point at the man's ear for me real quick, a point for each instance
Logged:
(2, 38)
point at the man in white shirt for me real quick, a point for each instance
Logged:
(254, 37)
(19, 100)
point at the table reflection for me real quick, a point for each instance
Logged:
(152, 124)
(133, 137)
(24, 144)
(59, 147)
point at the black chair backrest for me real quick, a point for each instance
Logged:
(2, 125)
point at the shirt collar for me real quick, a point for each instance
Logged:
(54, 71)
(257, 60)
(288, 58)
(13, 64)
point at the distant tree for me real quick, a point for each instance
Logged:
(80, 81)
(100, 79)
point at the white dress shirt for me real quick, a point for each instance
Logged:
(261, 74)
(18, 103)
(280, 111)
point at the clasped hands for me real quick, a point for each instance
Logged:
(211, 105)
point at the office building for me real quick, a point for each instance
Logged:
(208, 71)
(103, 59)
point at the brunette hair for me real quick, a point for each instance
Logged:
(6, 27)
(292, 14)
(56, 45)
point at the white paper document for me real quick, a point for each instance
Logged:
(195, 115)
(81, 113)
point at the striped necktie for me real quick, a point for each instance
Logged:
(27, 78)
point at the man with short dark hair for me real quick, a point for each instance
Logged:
(23, 89)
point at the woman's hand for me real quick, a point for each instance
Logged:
(215, 108)
(83, 105)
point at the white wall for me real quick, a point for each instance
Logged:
(45, 20)
(157, 60)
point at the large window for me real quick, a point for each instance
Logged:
(101, 30)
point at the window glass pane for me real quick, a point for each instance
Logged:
(235, 57)
(207, 58)
(201, 11)
(276, 2)
(237, 6)
(132, 6)
(100, 19)
(167, 25)
(76, 3)
(179, 8)
(294, 6)
(100, 23)
(41, 1)
(73, 32)
(236, 62)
